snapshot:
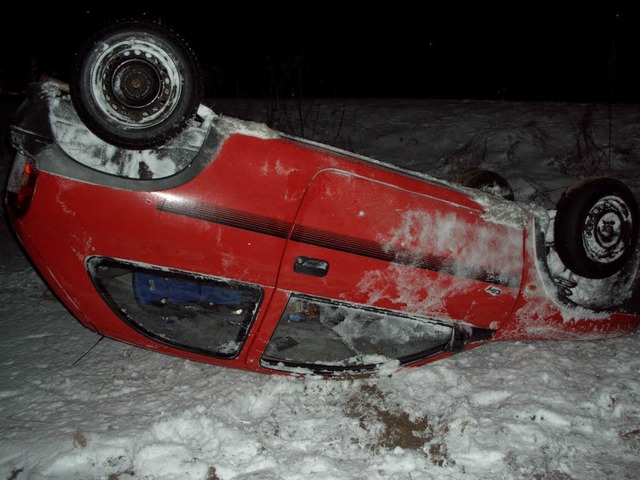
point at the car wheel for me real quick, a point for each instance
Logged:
(488, 182)
(596, 227)
(136, 85)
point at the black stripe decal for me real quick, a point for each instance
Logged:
(425, 261)
(229, 217)
(325, 239)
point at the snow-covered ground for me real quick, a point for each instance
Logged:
(74, 407)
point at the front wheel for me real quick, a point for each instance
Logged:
(136, 85)
(596, 227)
(488, 182)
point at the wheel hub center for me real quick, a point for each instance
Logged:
(136, 84)
(608, 230)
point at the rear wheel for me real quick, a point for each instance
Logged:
(596, 227)
(136, 85)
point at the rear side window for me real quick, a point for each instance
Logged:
(200, 314)
(327, 337)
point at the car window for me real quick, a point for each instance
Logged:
(326, 336)
(201, 314)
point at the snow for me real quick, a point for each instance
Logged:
(80, 143)
(75, 406)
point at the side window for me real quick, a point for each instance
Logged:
(330, 337)
(200, 314)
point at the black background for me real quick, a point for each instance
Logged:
(517, 52)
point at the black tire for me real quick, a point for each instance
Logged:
(136, 85)
(596, 227)
(488, 182)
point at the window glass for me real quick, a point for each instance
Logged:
(196, 313)
(328, 337)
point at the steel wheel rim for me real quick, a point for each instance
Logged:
(605, 235)
(136, 84)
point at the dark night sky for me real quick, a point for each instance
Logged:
(516, 52)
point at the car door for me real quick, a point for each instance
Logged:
(375, 271)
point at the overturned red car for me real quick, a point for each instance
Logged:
(166, 226)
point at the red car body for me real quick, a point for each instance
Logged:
(330, 262)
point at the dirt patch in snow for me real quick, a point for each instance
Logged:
(389, 427)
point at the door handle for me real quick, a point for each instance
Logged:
(311, 266)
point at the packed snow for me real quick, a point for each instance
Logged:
(77, 406)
